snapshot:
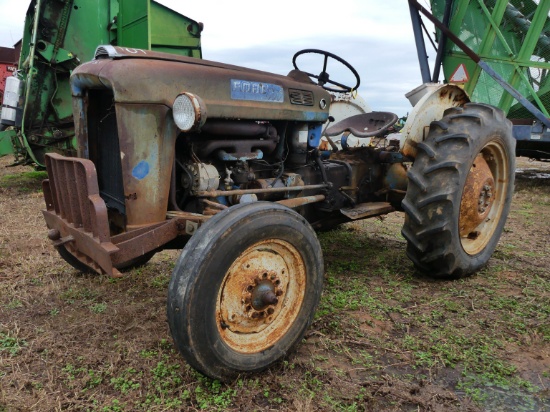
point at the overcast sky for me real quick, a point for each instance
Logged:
(373, 36)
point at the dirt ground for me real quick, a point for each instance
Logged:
(385, 337)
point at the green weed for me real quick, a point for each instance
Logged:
(14, 304)
(98, 308)
(211, 393)
(10, 344)
(127, 381)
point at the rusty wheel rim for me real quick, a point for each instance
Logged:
(483, 198)
(261, 296)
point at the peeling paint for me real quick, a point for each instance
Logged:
(141, 171)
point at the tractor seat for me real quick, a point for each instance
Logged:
(364, 125)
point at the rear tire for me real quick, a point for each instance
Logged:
(245, 289)
(460, 190)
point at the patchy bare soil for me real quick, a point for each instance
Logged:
(385, 338)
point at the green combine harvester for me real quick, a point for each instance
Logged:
(500, 52)
(37, 116)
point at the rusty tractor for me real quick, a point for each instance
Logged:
(240, 167)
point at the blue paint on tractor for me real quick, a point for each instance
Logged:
(315, 116)
(256, 91)
(222, 200)
(141, 170)
(314, 135)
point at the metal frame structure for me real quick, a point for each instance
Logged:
(499, 47)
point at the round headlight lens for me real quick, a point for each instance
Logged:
(184, 112)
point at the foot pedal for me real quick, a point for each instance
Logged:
(364, 210)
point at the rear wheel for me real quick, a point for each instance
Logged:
(245, 289)
(460, 190)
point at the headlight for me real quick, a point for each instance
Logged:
(189, 112)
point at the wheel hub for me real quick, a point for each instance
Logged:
(485, 197)
(477, 197)
(261, 295)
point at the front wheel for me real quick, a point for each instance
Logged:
(245, 289)
(460, 191)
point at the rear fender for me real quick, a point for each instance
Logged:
(434, 100)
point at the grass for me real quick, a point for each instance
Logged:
(384, 337)
(23, 182)
(465, 326)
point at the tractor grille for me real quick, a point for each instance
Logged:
(104, 148)
(71, 192)
(301, 97)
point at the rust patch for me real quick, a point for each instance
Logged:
(477, 197)
(77, 218)
(261, 296)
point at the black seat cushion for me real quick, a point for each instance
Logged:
(364, 125)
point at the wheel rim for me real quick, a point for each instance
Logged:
(261, 296)
(483, 198)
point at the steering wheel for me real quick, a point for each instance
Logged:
(323, 78)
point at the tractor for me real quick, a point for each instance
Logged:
(239, 168)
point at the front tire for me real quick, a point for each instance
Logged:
(460, 191)
(245, 289)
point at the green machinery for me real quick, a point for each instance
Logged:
(500, 51)
(58, 36)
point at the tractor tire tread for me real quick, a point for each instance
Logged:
(435, 189)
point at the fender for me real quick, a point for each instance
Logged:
(435, 99)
